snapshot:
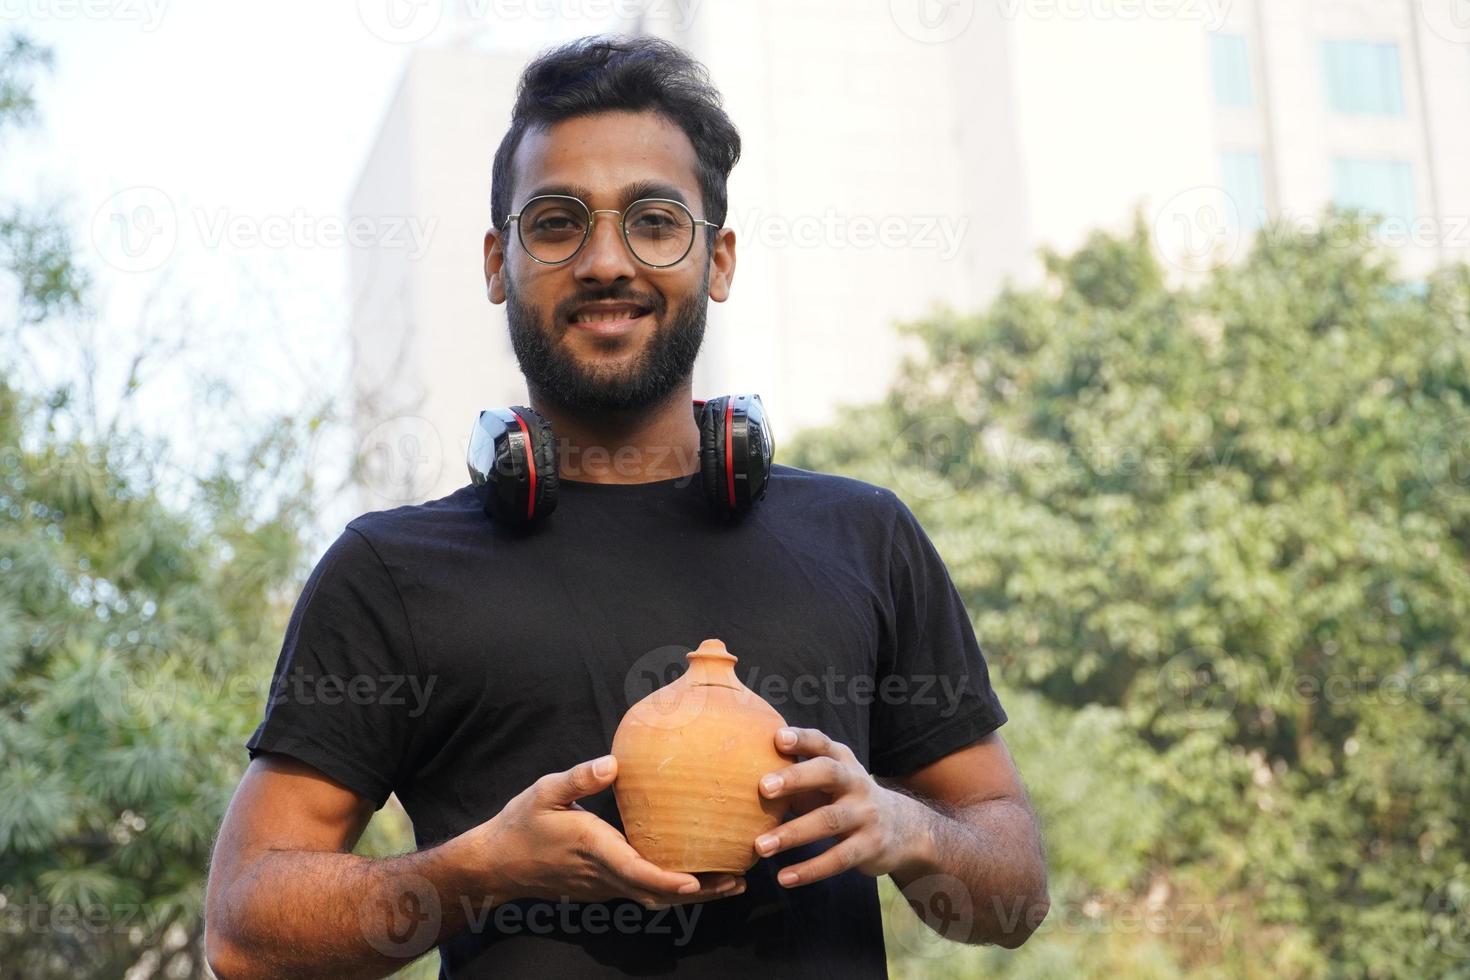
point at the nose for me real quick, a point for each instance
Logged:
(604, 258)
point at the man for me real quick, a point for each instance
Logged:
(479, 673)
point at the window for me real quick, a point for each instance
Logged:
(1363, 77)
(1240, 175)
(1384, 187)
(1230, 65)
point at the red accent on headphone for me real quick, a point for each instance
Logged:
(530, 464)
(730, 449)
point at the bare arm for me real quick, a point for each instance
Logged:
(286, 897)
(982, 833)
(958, 836)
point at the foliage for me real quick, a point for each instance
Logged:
(141, 609)
(1227, 522)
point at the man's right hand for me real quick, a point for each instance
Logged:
(542, 844)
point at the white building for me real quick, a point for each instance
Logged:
(903, 154)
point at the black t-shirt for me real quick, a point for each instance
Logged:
(436, 655)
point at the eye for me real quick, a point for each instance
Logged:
(656, 221)
(556, 223)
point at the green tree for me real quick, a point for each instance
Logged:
(141, 609)
(1233, 517)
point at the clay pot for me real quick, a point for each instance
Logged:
(690, 758)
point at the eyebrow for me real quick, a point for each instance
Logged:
(625, 195)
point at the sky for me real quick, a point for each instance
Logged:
(203, 154)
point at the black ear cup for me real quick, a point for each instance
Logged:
(512, 459)
(711, 418)
(512, 464)
(735, 450)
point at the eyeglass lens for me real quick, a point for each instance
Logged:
(552, 229)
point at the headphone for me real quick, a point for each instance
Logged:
(512, 459)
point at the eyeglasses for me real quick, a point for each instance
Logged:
(553, 228)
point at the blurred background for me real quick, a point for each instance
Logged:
(1156, 312)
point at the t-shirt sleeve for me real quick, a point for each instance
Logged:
(933, 693)
(341, 695)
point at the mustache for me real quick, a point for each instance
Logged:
(563, 312)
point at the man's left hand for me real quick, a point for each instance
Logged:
(878, 830)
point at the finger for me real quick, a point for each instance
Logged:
(846, 854)
(822, 773)
(812, 742)
(713, 887)
(635, 872)
(736, 887)
(835, 819)
(725, 886)
(561, 789)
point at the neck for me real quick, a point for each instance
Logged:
(660, 442)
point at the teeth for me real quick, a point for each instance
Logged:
(604, 316)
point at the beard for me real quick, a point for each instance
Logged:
(555, 373)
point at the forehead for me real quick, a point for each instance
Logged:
(604, 154)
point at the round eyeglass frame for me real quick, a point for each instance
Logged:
(622, 227)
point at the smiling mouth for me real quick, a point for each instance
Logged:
(608, 315)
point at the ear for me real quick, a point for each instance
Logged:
(494, 262)
(722, 265)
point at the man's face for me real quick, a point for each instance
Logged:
(569, 350)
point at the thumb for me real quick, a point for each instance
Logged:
(583, 779)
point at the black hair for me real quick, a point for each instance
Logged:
(608, 73)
